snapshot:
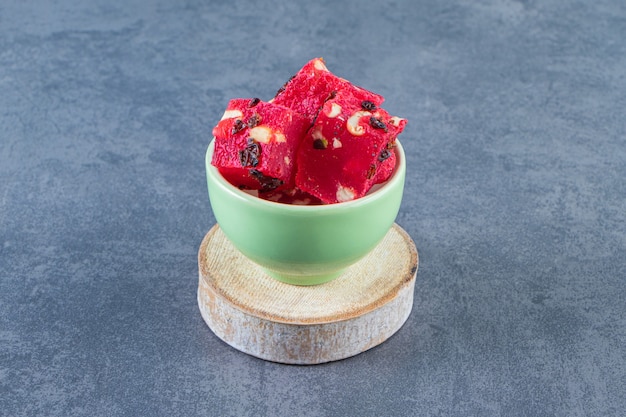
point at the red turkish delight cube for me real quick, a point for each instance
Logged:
(348, 149)
(314, 84)
(256, 143)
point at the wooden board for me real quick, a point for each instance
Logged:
(285, 323)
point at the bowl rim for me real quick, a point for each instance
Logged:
(396, 177)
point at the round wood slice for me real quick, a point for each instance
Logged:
(285, 323)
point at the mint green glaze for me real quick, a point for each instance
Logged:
(304, 245)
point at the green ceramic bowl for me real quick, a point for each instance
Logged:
(304, 245)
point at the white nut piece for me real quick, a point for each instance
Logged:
(316, 133)
(232, 114)
(395, 120)
(262, 134)
(319, 65)
(279, 137)
(344, 194)
(319, 141)
(352, 124)
(335, 110)
(337, 143)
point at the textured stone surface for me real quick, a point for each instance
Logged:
(515, 198)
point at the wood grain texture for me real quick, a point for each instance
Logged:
(285, 323)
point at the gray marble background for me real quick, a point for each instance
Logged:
(515, 197)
